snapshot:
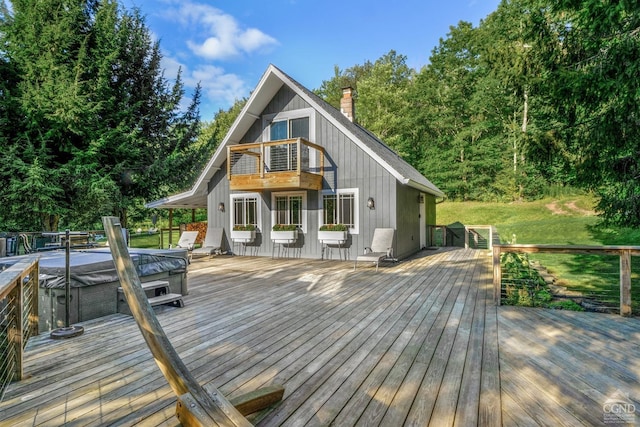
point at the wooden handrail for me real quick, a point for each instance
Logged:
(196, 406)
(19, 290)
(245, 149)
(624, 252)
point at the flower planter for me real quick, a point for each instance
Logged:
(245, 236)
(332, 236)
(288, 236)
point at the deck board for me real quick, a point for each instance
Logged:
(418, 343)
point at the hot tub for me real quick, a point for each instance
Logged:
(94, 281)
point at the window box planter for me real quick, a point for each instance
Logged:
(327, 236)
(244, 236)
(284, 236)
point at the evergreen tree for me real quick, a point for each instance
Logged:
(100, 127)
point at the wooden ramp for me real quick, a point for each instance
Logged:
(418, 343)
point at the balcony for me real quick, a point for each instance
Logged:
(291, 164)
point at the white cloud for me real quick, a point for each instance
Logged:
(224, 36)
(219, 88)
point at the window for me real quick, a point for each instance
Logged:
(290, 209)
(289, 125)
(246, 209)
(341, 207)
(289, 128)
(284, 157)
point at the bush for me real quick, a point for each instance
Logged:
(284, 227)
(333, 227)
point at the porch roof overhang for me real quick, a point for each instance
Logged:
(185, 200)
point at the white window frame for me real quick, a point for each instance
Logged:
(290, 193)
(356, 206)
(232, 199)
(267, 119)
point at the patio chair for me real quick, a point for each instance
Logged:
(212, 242)
(187, 241)
(381, 248)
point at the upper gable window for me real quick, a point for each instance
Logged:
(289, 124)
(289, 128)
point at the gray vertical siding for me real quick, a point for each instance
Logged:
(346, 166)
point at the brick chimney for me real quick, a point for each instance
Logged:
(347, 106)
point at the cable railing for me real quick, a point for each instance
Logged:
(604, 274)
(18, 317)
(467, 236)
(291, 163)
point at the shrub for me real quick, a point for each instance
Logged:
(333, 227)
(246, 227)
(284, 227)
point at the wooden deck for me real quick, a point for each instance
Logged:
(418, 343)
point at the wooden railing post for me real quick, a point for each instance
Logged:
(466, 237)
(625, 282)
(497, 275)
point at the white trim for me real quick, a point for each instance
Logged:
(232, 207)
(267, 119)
(356, 206)
(290, 193)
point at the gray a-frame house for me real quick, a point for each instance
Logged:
(291, 158)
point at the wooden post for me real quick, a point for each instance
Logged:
(466, 238)
(170, 226)
(18, 332)
(214, 409)
(497, 275)
(625, 282)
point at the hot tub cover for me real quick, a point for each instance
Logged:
(95, 266)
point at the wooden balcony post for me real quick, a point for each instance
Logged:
(625, 282)
(261, 166)
(299, 156)
(497, 275)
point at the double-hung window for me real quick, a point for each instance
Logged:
(341, 207)
(246, 209)
(290, 209)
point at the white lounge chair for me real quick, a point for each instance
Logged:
(187, 240)
(381, 247)
(212, 242)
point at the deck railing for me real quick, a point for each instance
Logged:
(475, 236)
(276, 156)
(623, 252)
(18, 317)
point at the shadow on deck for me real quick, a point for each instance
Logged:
(418, 343)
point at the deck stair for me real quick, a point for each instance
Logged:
(158, 292)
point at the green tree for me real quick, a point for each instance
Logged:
(99, 127)
(331, 90)
(601, 101)
(382, 98)
(449, 120)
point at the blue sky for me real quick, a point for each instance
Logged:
(227, 45)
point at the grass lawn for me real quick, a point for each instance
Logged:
(152, 241)
(562, 220)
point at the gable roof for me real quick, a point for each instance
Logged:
(270, 83)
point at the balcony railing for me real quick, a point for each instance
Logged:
(282, 165)
(18, 317)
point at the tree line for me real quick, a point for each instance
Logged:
(539, 95)
(89, 124)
